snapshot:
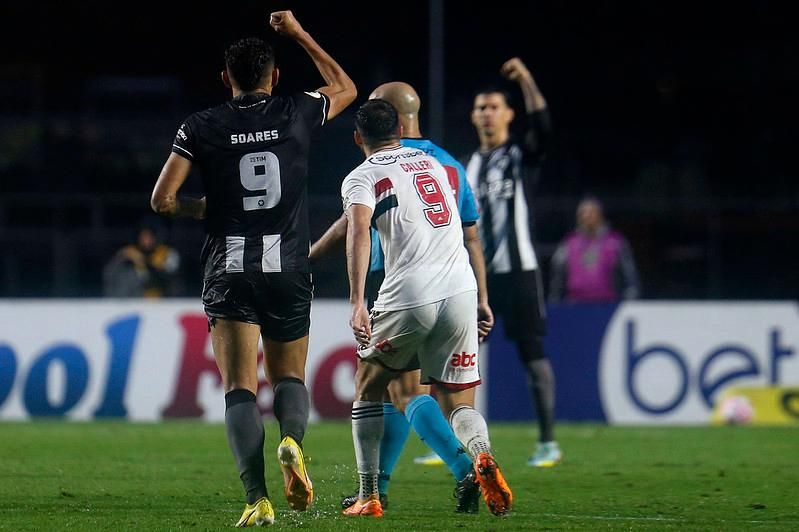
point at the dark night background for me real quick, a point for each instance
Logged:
(679, 115)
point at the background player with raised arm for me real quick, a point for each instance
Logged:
(503, 173)
(426, 312)
(410, 402)
(252, 154)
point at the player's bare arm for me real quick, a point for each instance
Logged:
(359, 242)
(340, 88)
(165, 200)
(332, 237)
(515, 70)
(485, 317)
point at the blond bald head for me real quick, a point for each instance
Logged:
(399, 94)
(404, 99)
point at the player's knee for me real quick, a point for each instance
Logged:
(370, 382)
(402, 390)
(284, 368)
(531, 348)
(405, 388)
(400, 403)
(368, 392)
(401, 400)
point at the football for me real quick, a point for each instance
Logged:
(736, 410)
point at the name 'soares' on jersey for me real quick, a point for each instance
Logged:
(259, 136)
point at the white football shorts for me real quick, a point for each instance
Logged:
(439, 338)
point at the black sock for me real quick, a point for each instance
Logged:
(291, 406)
(542, 387)
(245, 435)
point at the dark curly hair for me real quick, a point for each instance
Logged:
(377, 121)
(248, 61)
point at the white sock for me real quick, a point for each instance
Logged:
(471, 429)
(367, 431)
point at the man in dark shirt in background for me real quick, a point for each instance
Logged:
(147, 267)
(502, 174)
(252, 153)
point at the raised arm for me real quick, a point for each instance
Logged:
(340, 88)
(538, 126)
(515, 70)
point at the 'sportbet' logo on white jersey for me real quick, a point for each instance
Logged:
(390, 158)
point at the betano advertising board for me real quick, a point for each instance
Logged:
(635, 363)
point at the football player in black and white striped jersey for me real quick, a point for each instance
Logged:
(502, 174)
(252, 154)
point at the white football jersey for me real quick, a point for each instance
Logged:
(416, 216)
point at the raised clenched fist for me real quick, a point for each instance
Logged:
(514, 69)
(284, 23)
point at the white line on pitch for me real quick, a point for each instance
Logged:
(668, 519)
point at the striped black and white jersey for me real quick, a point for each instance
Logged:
(252, 154)
(416, 216)
(502, 181)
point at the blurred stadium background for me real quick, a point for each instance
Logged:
(677, 115)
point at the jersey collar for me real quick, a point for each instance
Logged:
(388, 148)
(250, 100)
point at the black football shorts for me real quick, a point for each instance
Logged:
(519, 298)
(280, 302)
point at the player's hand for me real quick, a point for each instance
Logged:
(515, 70)
(485, 321)
(359, 321)
(284, 23)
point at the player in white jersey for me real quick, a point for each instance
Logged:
(426, 311)
(409, 404)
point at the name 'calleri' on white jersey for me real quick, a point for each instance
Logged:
(416, 215)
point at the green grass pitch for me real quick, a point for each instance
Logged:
(181, 476)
